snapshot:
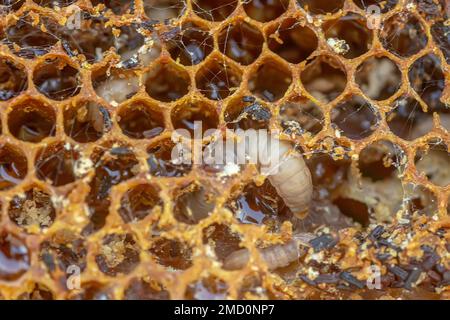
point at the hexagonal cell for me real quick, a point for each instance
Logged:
(403, 35)
(167, 82)
(210, 288)
(243, 114)
(172, 253)
(118, 7)
(119, 253)
(145, 289)
(358, 211)
(161, 10)
(61, 250)
(265, 10)
(92, 39)
(161, 163)
(113, 165)
(13, 166)
(128, 42)
(421, 200)
(380, 160)
(191, 45)
(56, 79)
(216, 80)
(11, 4)
(321, 6)
(324, 78)
(115, 85)
(356, 118)
(191, 114)
(31, 39)
(352, 29)
(14, 257)
(140, 201)
(192, 204)
(427, 79)
(214, 10)
(37, 292)
(292, 41)
(13, 79)
(241, 41)
(433, 161)
(222, 239)
(270, 81)
(407, 119)
(32, 121)
(33, 208)
(139, 120)
(383, 5)
(378, 77)
(55, 163)
(300, 115)
(441, 35)
(92, 290)
(86, 121)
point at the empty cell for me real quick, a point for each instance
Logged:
(140, 201)
(240, 114)
(324, 78)
(433, 161)
(32, 121)
(217, 80)
(140, 121)
(356, 118)
(241, 41)
(119, 253)
(86, 121)
(378, 77)
(161, 163)
(427, 79)
(167, 82)
(214, 10)
(420, 199)
(321, 6)
(13, 166)
(441, 35)
(356, 210)
(292, 41)
(403, 35)
(13, 79)
(210, 288)
(300, 115)
(145, 289)
(192, 204)
(161, 10)
(265, 10)
(172, 253)
(270, 81)
(191, 114)
(353, 30)
(116, 6)
(191, 46)
(14, 257)
(34, 208)
(408, 120)
(371, 5)
(56, 79)
(55, 163)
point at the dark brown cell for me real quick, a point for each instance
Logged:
(37, 292)
(55, 163)
(380, 160)
(148, 289)
(32, 121)
(214, 10)
(222, 239)
(378, 77)
(321, 6)
(92, 290)
(270, 81)
(13, 79)
(216, 80)
(56, 79)
(354, 209)
(191, 114)
(140, 121)
(192, 204)
(299, 115)
(35, 208)
(160, 161)
(265, 10)
(167, 83)
(172, 253)
(246, 115)
(191, 45)
(210, 288)
(13, 166)
(14, 257)
(291, 41)
(139, 202)
(356, 118)
(10, 5)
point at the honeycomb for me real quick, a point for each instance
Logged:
(91, 91)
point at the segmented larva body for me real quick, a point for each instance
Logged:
(277, 256)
